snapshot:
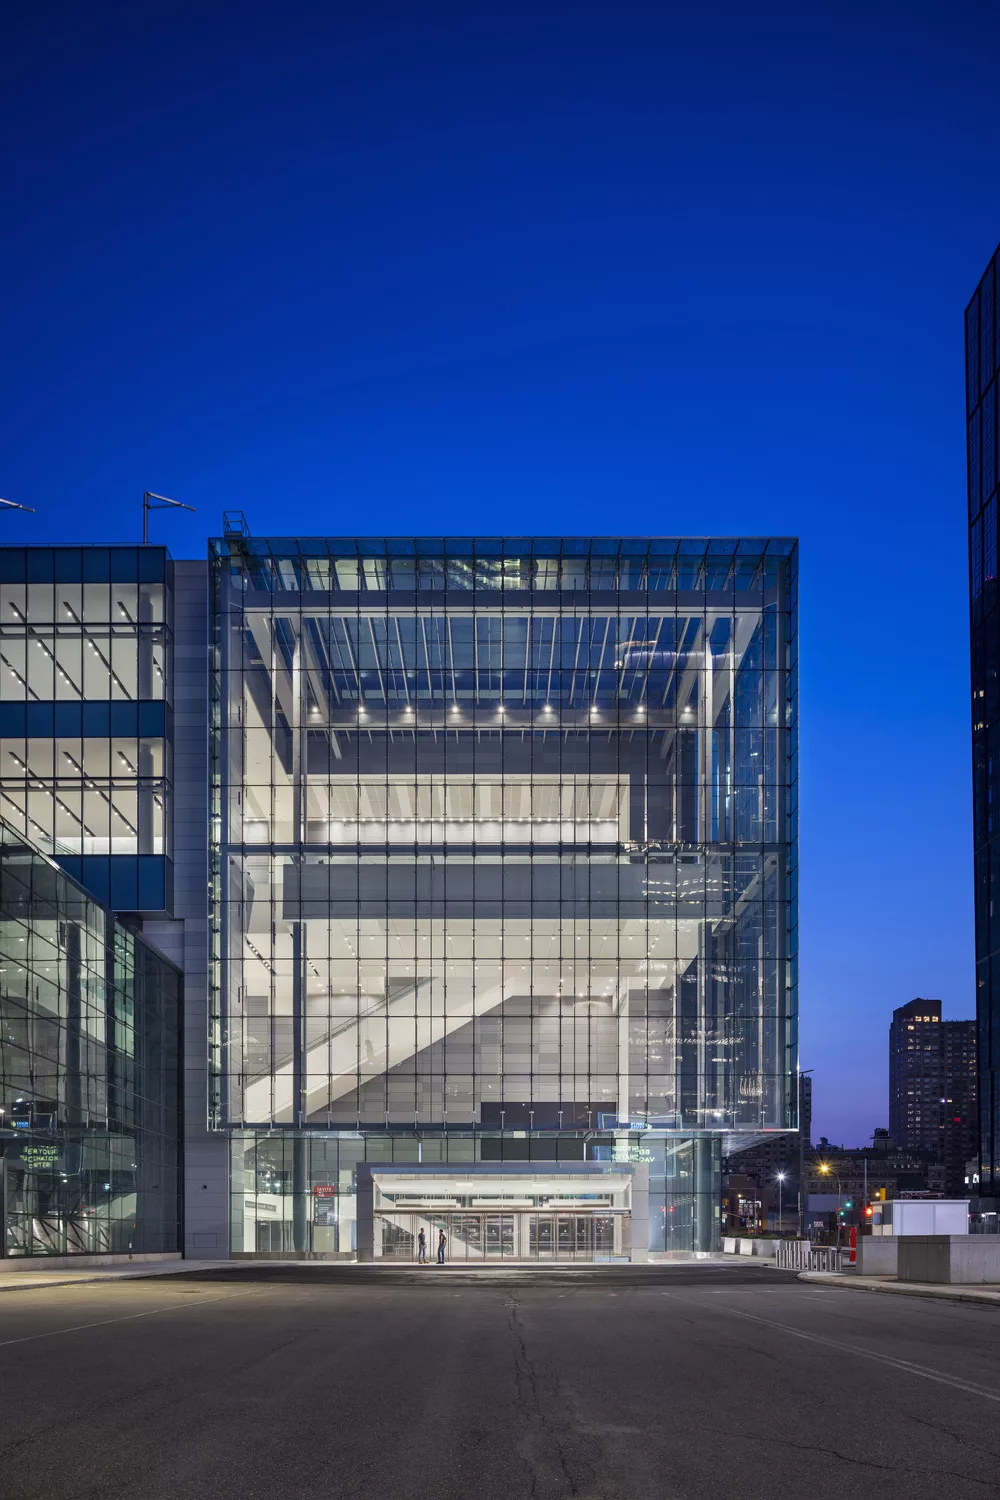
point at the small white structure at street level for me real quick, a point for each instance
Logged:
(921, 1216)
(928, 1240)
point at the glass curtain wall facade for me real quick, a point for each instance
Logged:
(85, 716)
(89, 1106)
(982, 386)
(504, 863)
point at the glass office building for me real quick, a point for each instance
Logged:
(503, 908)
(982, 385)
(89, 1087)
(85, 714)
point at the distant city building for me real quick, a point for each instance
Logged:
(982, 348)
(932, 1089)
(867, 1172)
(742, 1204)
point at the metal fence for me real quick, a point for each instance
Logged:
(801, 1255)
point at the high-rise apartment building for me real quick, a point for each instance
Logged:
(932, 1087)
(478, 857)
(982, 349)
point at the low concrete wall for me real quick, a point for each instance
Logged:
(734, 1246)
(877, 1255)
(38, 1263)
(960, 1259)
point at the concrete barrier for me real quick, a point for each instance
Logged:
(732, 1245)
(877, 1255)
(955, 1259)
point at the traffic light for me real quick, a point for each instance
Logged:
(869, 1211)
(849, 1204)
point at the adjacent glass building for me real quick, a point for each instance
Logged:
(503, 886)
(89, 1083)
(982, 385)
(85, 714)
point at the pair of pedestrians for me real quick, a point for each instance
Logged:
(422, 1248)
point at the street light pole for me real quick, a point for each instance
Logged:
(781, 1217)
(802, 1158)
(828, 1171)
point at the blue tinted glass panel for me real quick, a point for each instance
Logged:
(40, 565)
(12, 568)
(67, 720)
(12, 720)
(96, 720)
(96, 565)
(152, 882)
(151, 719)
(124, 718)
(68, 564)
(151, 564)
(124, 882)
(124, 564)
(38, 720)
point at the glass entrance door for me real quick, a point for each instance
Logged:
(571, 1236)
(488, 1236)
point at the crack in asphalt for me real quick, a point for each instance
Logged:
(532, 1410)
(870, 1463)
(948, 1432)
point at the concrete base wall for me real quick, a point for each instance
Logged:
(877, 1255)
(965, 1259)
(36, 1263)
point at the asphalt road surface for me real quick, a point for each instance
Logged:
(714, 1381)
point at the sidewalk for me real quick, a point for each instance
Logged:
(846, 1280)
(344, 1271)
(25, 1281)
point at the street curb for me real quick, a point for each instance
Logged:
(901, 1289)
(29, 1284)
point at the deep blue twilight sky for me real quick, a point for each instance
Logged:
(608, 267)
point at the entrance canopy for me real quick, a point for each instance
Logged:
(514, 1211)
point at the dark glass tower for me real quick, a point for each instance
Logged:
(981, 406)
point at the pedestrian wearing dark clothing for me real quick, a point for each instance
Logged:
(421, 1249)
(441, 1244)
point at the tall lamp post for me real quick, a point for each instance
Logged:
(781, 1182)
(828, 1171)
(802, 1157)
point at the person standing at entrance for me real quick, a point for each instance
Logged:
(441, 1244)
(421, 1249)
